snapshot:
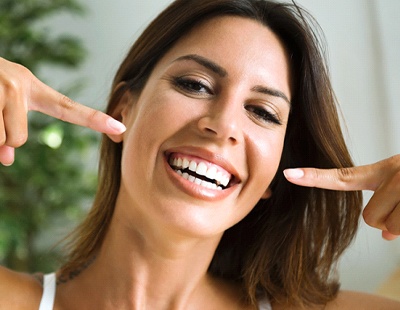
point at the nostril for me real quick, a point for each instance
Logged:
(210, 130)
(233, 139)
(218, 127)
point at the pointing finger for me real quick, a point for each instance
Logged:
(46, 100)
(367, 177)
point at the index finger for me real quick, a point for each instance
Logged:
(46, 100)
(367, 177)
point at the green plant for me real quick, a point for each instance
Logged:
(47, 187)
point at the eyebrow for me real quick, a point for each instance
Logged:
(214, 67)
(205, 63)
(271, 92)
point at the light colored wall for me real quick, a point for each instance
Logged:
(364, 44)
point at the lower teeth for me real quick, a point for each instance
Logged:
(198, 181)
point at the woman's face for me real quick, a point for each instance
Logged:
(205, 135)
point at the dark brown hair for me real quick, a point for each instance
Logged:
(287, 247)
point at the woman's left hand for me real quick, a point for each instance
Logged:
(383, 209)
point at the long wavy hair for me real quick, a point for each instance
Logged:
(287, 247)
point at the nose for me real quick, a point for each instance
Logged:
(222, 122)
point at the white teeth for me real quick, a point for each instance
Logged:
(201, 169)
(185, 163)
(211, 173)
(208, 185)
(179, 163)
(225, 181)
(221, 179)
(205, 184)
(193, 166)
(198, 181)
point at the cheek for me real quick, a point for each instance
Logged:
(266, 155)
(151, 122)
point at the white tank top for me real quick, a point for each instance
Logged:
(49, 294)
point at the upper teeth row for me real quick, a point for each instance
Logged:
(201, 169)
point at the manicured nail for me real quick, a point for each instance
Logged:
(293, 173)
(114, 124)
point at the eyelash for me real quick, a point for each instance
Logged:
(263, 114)
(192, 86)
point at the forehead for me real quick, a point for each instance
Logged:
(241, 45)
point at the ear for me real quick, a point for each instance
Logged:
(267, 194)
(120, 112)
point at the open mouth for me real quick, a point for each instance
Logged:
(201, 172)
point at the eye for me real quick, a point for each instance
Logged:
(263, 114)
(192, 86)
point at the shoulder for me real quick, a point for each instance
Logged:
(356, 300)
(348, 300)
(19, 290)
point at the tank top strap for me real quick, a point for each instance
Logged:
(49, 292)
(264, 304)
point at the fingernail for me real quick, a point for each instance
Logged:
(293, 173)
(6, 165)
(114, 124)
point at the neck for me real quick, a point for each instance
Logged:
(154, 267)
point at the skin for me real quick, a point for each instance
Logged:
(152, 254)
(383, 178)
(165, 229)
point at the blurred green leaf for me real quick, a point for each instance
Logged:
(48, 187)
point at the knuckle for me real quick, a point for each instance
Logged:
(92, 116)
(391, 164)
(393, 225)
(370, 218)
(344, 175)
(66, 104)
(315, 176)
(17, 140)
(11, 86)
(394, 161)
(392, 183)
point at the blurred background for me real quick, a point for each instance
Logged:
(76, 46)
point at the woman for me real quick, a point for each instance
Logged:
(193, 210)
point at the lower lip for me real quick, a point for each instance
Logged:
(196, 190)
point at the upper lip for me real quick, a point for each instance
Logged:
(207, 155)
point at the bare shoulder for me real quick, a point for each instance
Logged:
(356, 300)
(19, 290)
(348, 300)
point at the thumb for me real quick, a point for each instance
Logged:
(6, 155)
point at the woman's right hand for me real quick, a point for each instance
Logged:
(21, 91)
(383, 177)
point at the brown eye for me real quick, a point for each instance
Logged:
(263, 114)
(192, 86)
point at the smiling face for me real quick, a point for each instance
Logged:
(205, 136)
